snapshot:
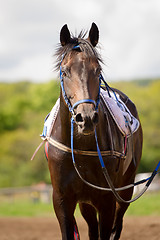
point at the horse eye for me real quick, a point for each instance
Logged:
(97, 71)
(64, 74)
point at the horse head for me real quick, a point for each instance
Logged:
(80, 70)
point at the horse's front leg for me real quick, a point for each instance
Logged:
(64, 209)
(90, 215)
(106, 217)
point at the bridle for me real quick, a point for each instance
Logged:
(104, 169)
(71, 108)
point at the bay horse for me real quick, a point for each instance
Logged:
(80, 70)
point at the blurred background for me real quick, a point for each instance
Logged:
(29, 86)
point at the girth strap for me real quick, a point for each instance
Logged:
(64, 148)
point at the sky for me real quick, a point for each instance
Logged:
(129, 36)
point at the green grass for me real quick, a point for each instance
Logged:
(147, 205)
(25, 209)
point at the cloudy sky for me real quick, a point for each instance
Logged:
(129, 36)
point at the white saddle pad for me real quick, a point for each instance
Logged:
(125, 121)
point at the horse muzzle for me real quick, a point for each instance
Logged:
(86, 122)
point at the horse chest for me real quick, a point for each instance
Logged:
(67, 181)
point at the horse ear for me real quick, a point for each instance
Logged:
(65, 36)
(93, 34)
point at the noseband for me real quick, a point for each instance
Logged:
(104, 170)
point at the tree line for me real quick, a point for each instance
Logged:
(23, 107)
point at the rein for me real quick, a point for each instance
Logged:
(107, 177)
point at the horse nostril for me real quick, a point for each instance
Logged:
(79, 118)
(95, 118)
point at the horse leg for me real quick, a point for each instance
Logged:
(106, 218)
(64, 209)
(118, 224)
(90, 215)
(120, 211)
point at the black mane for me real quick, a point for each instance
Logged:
(84, 45)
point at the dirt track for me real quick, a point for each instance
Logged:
(135, 228)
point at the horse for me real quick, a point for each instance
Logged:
(80, 67)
